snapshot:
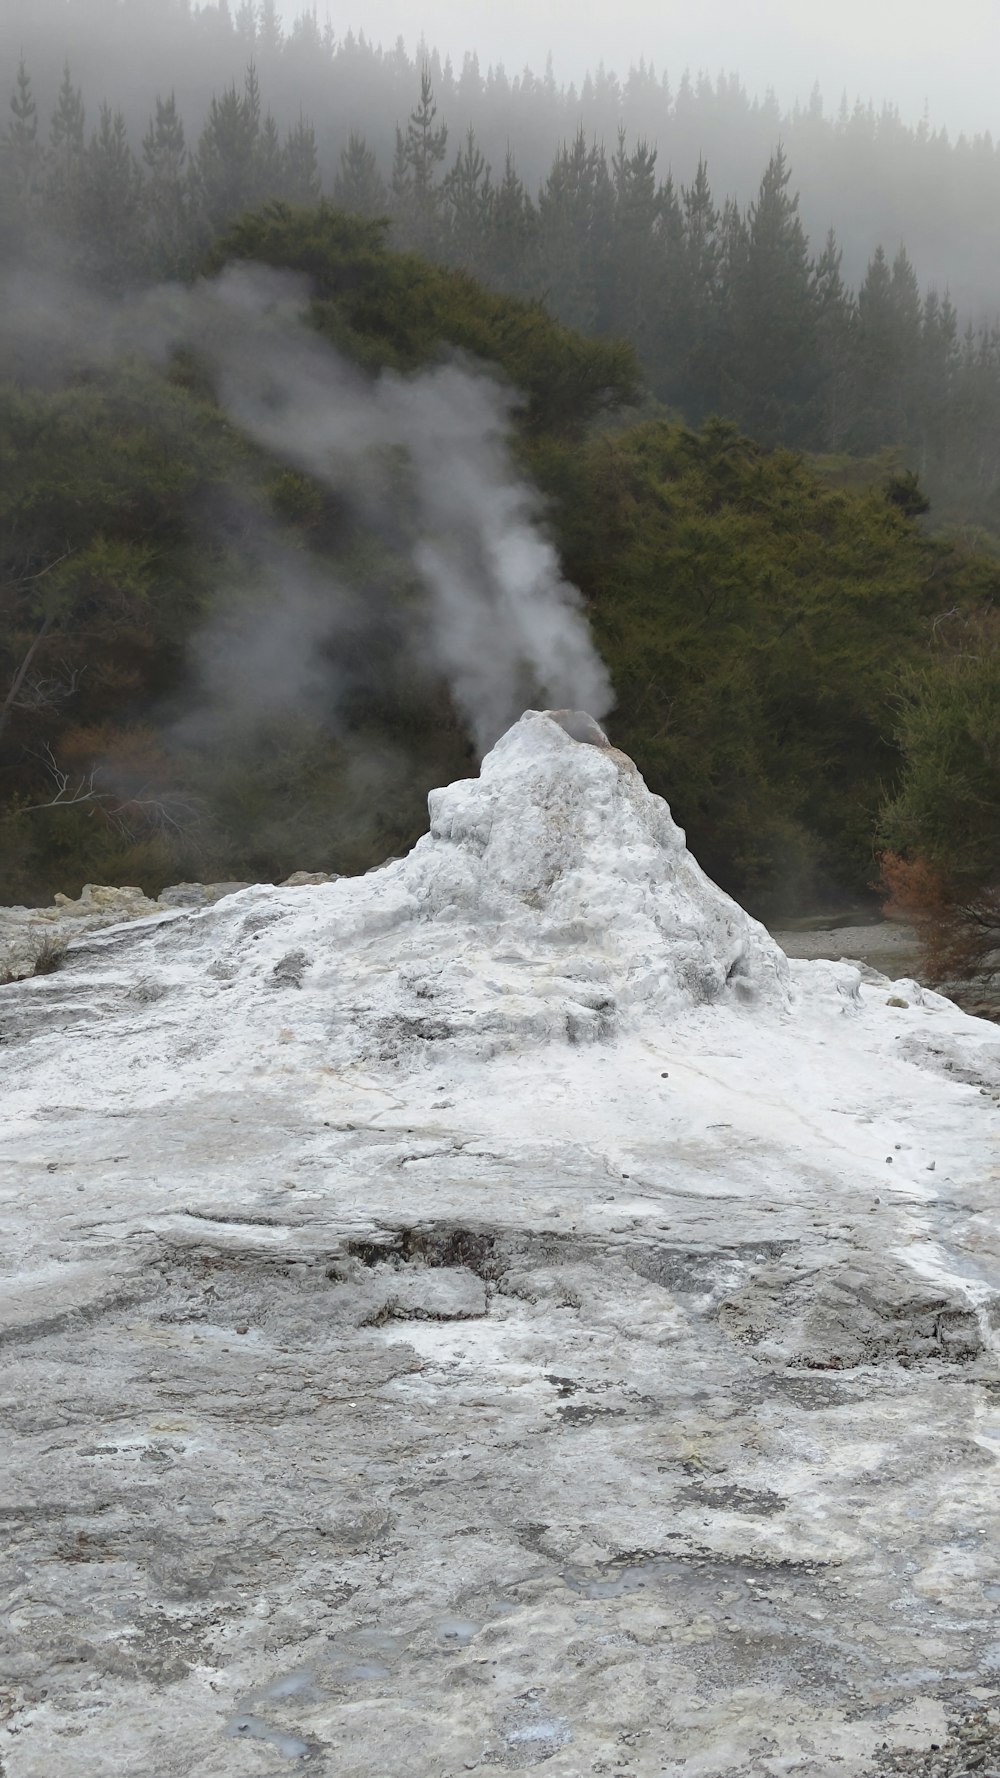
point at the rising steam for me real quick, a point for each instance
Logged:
(500, 621)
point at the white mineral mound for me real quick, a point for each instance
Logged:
(560, 847)
(448, 1312)
(552, 898)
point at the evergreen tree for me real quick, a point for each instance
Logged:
(304, 47)
(938, 367)
(300, 183)
(636, 257)
(169, 193)
(246, 28)
(512, 244)
(109, 217)
(270, 37)
(664, 345)
(701, 240)
(21, 149)
(875, 366)
(692, 320)
(468, 194)
(226, 160)
(251, 96)
(66, 151)
(834, 311)
(359, 186)
(975, 467)
(734, 265)
(417, 197)
(908, 330)
(575, 210)
(268, 168)
(401, 184)
(772, 369)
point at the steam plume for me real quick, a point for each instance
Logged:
(502, 623)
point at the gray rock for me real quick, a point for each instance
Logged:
(302, 879)
(197, 895)
(35, 940)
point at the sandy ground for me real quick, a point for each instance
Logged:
(886, 946)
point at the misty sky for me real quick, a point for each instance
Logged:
(907, 50)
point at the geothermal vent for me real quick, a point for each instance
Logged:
(553, 899)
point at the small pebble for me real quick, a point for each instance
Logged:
(888, 1160)
(242, 1329)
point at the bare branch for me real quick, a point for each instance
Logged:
(48, 694)
(942, 618)
(126, 814)
(29, 579)
(10, 700)
(66, 795)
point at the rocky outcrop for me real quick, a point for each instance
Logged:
(33, 941)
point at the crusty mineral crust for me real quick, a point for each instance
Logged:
(496, 1313)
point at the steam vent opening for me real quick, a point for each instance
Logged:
(580, 726)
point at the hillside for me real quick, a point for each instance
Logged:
(224, 659)
(826, 282)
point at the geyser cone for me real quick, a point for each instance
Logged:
(553, 899)
(583, 874)
(580, 726)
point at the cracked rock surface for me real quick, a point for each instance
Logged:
(496, 1313)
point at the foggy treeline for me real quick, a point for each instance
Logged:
(137, 132)
(212, 662)
(263, 584)
(867, 173)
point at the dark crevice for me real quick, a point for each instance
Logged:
(475, 1249)
(395, 1311)
(238, 1219)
